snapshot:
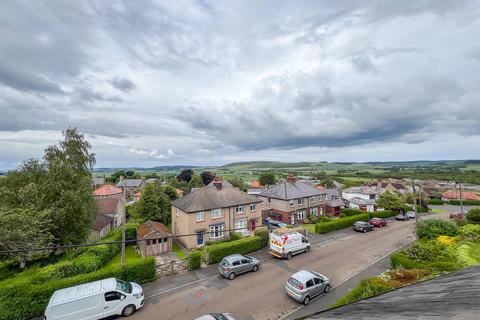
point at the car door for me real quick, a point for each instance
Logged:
(319, 285)
(304, 243)
(310, 285)
(113, 303)
(237, 266)
(246, 266)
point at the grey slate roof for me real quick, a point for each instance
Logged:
(130, 183)
(101, 221)
(291, 190)
(454, 296)
(363, 190)
(332, 193)
(360, 201)
(98, 181)
(335, 203)
(209, 197)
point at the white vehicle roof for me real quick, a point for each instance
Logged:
(82, 290)
(290, 234)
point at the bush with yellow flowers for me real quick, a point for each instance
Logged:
(446, 240)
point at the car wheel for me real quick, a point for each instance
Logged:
(306, 300)
(289, 256)
(307, 248)
(327, 288)
(364, 230)
(128, 310)
(255, 268)
(231, 276)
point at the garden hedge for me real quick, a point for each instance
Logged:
(464, 202)
(432, 228)
(351, 212)
(263, 233)
(400, 260)
(383, 214)
(215, 252)
(341, 223)
(194, 260)
(435, 201)
(27, 301)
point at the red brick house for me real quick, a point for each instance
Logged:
(108, 191)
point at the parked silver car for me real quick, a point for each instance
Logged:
(236, 264)
(216, 316)
(410, 214)
(305, 285)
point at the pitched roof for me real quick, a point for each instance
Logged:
(97, 181)
(107, 190)
(451, 194)
(360, 201)
(255, 184)
(210, 197)
(363, 190)
(150, 226)
(335, 203)
(291, 190)
(452, 296)
(101, 221)
(332, 193)
(108, 205)
(179, 191)
(130, 183)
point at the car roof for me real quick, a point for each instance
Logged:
(233, 257)
(361, 222)
(82, 290)
(303, 275)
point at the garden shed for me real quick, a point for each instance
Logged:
(155, 238)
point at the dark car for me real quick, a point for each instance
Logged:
(362, 226)
(401, 216)
(273, 224)
(378, 222)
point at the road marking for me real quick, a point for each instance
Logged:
(345, 280)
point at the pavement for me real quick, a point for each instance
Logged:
(344, 256)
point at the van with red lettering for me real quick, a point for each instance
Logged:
(288, 244)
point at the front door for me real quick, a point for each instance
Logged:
(253, 226)
(200, 238)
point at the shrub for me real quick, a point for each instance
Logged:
(401, 260)
(435, 201)
(430, 251)
(341, 223)
(366, 288)
(383, 214)
(445, 240)
(351, 212)
(464, 202)
(342, 215)
(324, 219)
(468, 254)
(263, 234)
(431, 229)
(131, 231)
(194, 260)
(473, 216)
(215, 252)
(235, 236)
(470, 232)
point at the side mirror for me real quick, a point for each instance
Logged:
(122, 297)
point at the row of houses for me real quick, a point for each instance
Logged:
(212, 212)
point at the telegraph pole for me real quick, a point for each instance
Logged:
(414, 202)
(461, 199)
(124, 218)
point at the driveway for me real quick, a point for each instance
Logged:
(261, 295)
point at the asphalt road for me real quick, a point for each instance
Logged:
(261, 295)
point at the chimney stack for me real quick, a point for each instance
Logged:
(291, 179)
(217, 182)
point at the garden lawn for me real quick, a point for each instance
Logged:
(309, 226)
(176, 249)
(439, 210)
(130, 256)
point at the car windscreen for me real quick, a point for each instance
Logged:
(294, 282)
(224, 263)
(124, 286)
(218, 316)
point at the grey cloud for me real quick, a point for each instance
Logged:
(123, 84)
(24, 81)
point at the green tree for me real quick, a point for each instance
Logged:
(185, 175)
(390, 200)
(61, 184)
(237, 182)
(267, 178)
(154, 204)
(408, 198)
(327, 183)
(207, 177)
(170, 191)
(23, 229)
(195, 182)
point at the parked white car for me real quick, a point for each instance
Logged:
(410, 214)
(285, 245)
(95, 300)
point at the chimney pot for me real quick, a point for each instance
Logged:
(291, 179)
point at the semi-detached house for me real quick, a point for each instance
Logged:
(293, 201)
(208, 213)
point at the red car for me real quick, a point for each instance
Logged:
(378, 222)
(457, 215)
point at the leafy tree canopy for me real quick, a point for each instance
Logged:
(391, 200)
(185, 175)
(154, 204)
(207, 177)
(267, 178)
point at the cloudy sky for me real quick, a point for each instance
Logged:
(212, 82)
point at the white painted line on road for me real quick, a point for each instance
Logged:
(348, 278)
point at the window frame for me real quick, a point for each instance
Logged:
(254, 206)
(216, 210)
(300, 201)
(218, 229)
(202, 215)
(240, 209)
(313, 199)
(291, 203)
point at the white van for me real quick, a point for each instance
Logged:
(95, 300)
(285, 245)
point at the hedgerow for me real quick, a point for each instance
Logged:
(216, 252)
(341, 223)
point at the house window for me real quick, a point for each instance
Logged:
(322, 197)
(300, 214)
(269, 200)
(241, 226)
(239, 209)
(290, 203)
(253, 207)
(300, 201)
(216, 213)
(313, 211)
(200, 216)
(312, 199)
(217, 231)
